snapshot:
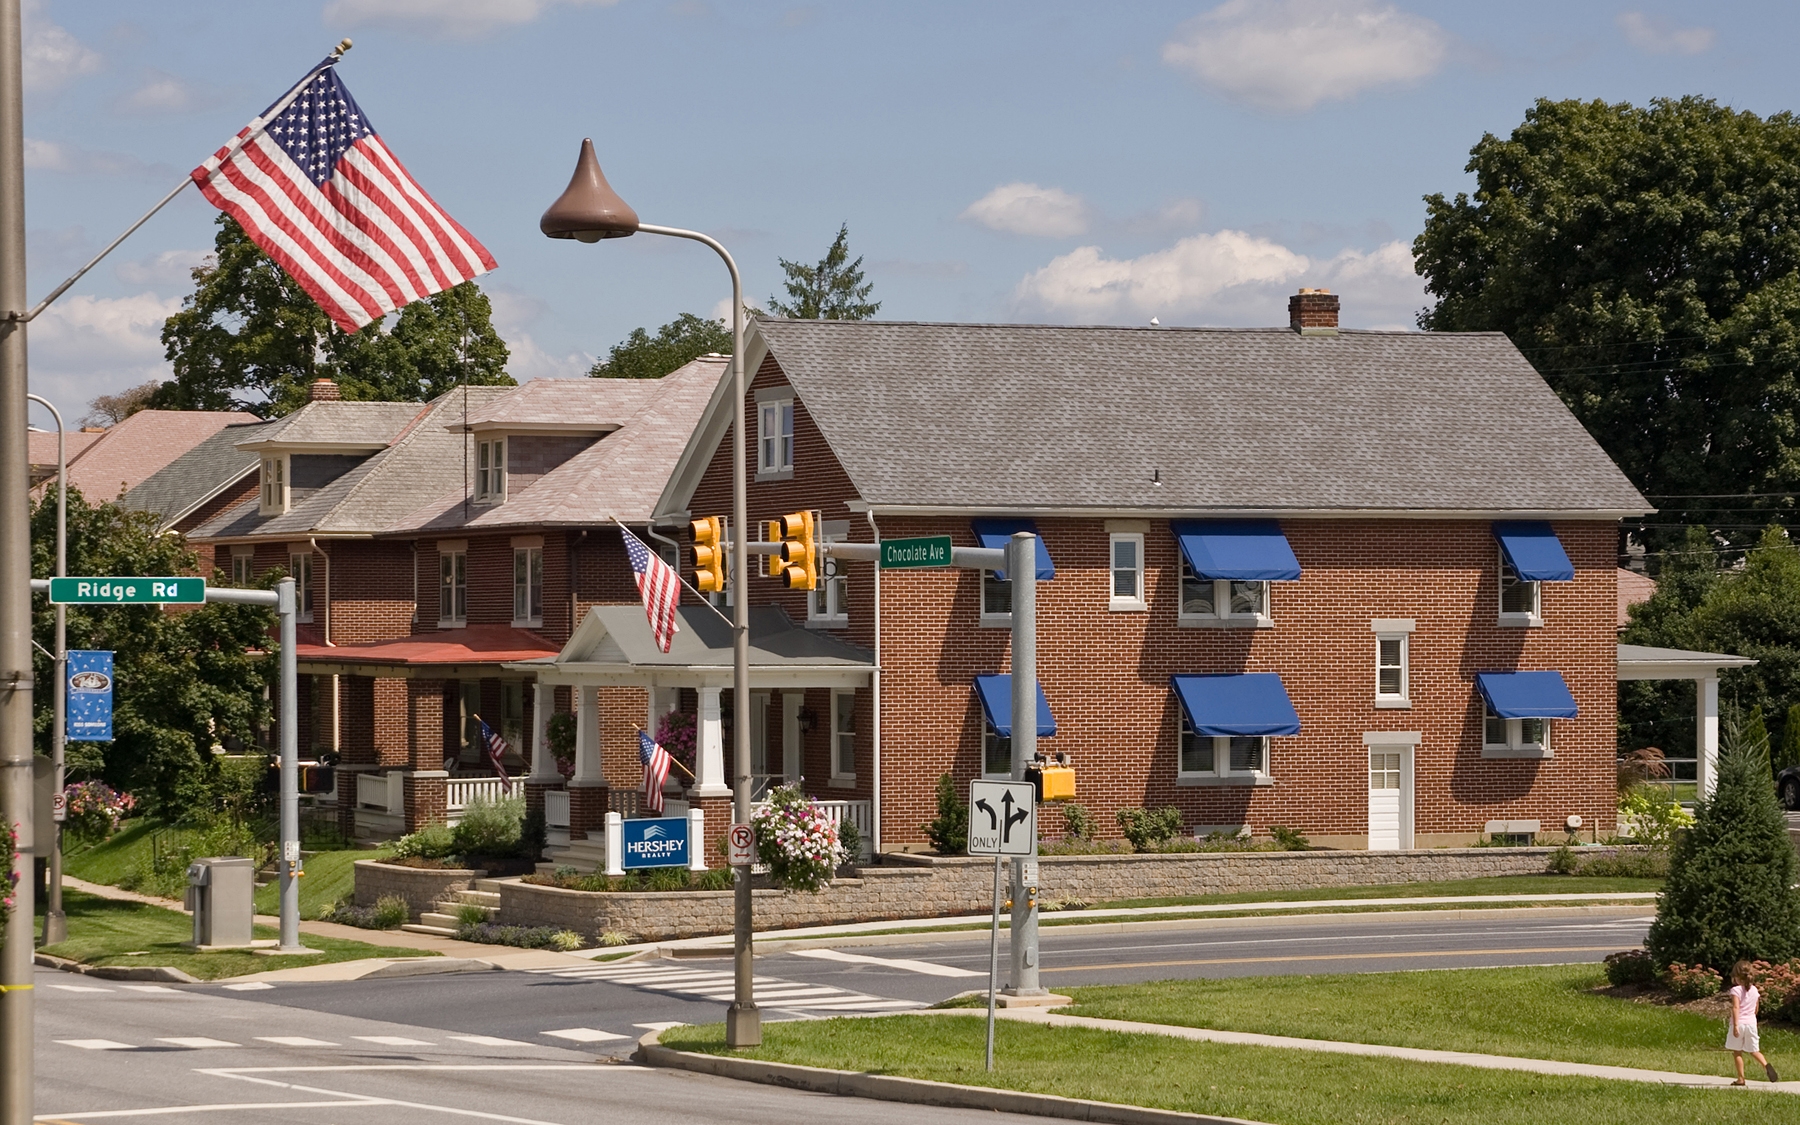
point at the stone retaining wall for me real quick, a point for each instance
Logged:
(419, 886)
(911, 886)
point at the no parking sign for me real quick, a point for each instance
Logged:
(741, 846)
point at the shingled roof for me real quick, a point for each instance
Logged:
(128, 453)
(198, 475)
(1040, 417)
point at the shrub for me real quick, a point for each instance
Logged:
(434, 841)
(614, 937)
(468, 914)
(1695, 982)
(524, 937)
(1730, 892)
(949, 830)
(559, 731)
(654, 879)
(1077, 819)
(1654, 815)
(1652, 864)
(1778, 986)
(1563, 862)
(490, 826)
(1148, 829)
(797, 840)
(162, 871)
(389, 912)
(1632, 966)
(850, 836)
(1288, 840)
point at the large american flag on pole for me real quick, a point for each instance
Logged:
(313, 185)
(656, 770)
(660, 587)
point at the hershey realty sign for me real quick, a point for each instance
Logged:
(655, 842)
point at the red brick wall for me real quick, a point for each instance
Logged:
(209, 556)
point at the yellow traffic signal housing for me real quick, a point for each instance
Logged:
(772, 566)
(709, 554)
(1056, 783)
(800, 550)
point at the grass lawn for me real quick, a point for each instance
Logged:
(1541, 1013)
(1259, 1083)
(107, 931)
(329, 876)
(113, 859)
(1496, 885)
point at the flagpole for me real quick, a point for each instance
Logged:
(675, 760)
(703, 598)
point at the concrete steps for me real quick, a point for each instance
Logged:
(444, 919)
(586, 855)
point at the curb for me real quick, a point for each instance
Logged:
(161, 973)
(429, 966)
(915, 1091)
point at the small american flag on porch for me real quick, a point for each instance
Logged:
(496, 750)
(660, 587)
(656, 770)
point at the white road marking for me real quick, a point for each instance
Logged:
(195, 1041)
(660, 1026)
(248, 986)
(152, 988)
(294, 1041)
(97, 1044)
(392, 1040)
(926, 967)
(80, 988)
(488, 1041)
(586, 1035)
(714, 984)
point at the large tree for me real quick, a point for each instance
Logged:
(643, 356)
(1645, 260)
(832, 290)
(249, 338)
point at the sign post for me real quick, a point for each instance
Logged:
(1002, 822)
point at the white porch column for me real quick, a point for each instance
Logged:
(1706, 732)
(587, 737)
(543, 763)
(712, 747)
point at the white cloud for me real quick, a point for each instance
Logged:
(171, 267)
(1294, 54)
(513, 311)
(55, 156)
(1228, 277)
(85, 346)
(459, 19)
(1021, 208)
(1658, 35)
(52, 56)
(162, 92)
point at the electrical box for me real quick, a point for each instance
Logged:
(221, 893)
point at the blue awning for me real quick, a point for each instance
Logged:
(1526, 695)
(996, 701)
(1534, 551)
(1241, 550)
(997, 534)
(1245, 704)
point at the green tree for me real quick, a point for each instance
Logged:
(184, 682)
(1647, 261)
(832, 290)
(249, 338)
(643, 356)
(1730, 891)
(1789, 752)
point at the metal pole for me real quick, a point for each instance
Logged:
(1022, 939)
(16, 1031)
(993, 964)
(288, 863)
(56, 924)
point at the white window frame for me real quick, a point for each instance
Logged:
(990, 743)
(774, 438)
(490, 471)
(243, 566)
(300, 566)
(828, 607)
(453, 563)
(1222, 591)
(843, 705)
(991, 582)
(1116, 601)
(1393, 631)
(528, 563)
(1532, 618)
(1517, 744)
(273, 499)
(1221, 772)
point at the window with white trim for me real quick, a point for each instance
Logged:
(775, 436)
(528, 586)
(1392, 656)
(843, 735)
(996, 599)
(996, 753)
(1519, 599)
(490, 471)
(243, 567)
(300, 567)
(453, 589)
(1126, 551)
(829, 605)
(1516, 736)
(274, 500)
(1206, 755)
(1221, 600)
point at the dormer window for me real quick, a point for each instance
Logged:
(274, 485)
(490, 471)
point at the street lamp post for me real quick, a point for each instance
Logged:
(589, 210)
(56, 926)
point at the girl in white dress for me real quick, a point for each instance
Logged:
(1740, 1027)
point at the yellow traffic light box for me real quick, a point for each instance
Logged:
(800, 550)
(709, 554)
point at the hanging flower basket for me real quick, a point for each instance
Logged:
(95, 809)
(676, 733)
(797, 840)
(12, 877)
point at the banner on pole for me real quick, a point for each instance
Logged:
(90, 684)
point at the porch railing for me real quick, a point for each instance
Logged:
(460, 791)
(556, 809)
(381, 792)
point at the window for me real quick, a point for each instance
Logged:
(843, 735)
(1222, 601)
(512, 714)
(453, 588)
(1392, 651)
(1210, 756)
(490, 471)
(996, 599)
(300, 566)
(243, 567)
(274, 485)
(472, 750)
(528, 586)
(1127, 570)
(1384, 769)
(1524, 737)
(775, 436)
(996, 753)
(829, 605)
(1518, 598)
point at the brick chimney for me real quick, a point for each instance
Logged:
(1313, 312)
(324, 390)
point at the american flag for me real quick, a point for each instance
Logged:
(496, 749)
(312, 183)
(660, 587)
(656, 770)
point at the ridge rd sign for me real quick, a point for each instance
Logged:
(1002, 818)
(130, 590)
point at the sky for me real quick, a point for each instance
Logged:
(1039, 161)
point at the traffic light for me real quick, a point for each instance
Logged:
(772, 565)
(709, 554)
(800, 550)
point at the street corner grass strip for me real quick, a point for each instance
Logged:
(915, 1091)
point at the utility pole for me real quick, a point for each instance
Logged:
(16, 1033)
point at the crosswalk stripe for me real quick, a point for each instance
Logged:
(80, 988)
(248, 986)
(586, 1035)
(718, 985)
(195, 1041)
(488, 1041)
(295, 1041)
(151, 988)
(392, 1040)
(97, 1044)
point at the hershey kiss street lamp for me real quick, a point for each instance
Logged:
(589, 210)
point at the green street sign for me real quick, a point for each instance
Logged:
(923, 550)
(127, 591)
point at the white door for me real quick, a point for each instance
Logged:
(790, 735)
(1384, 799)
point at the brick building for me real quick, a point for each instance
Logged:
(1360, 584)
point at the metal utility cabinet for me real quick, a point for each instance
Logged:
(221, 894)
